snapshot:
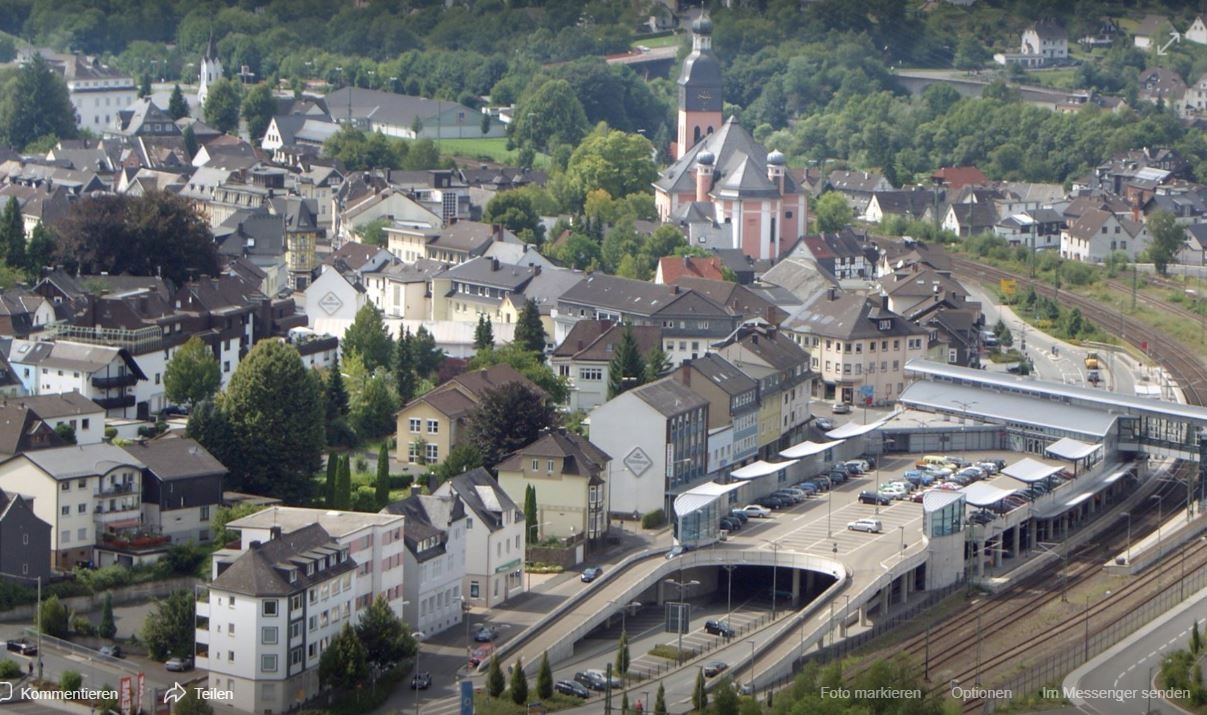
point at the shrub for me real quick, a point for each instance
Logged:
(9, 668)
(361, 464)
(80, 625)
(110, 433)
(654, 520)
(70, 680)
(181, 559)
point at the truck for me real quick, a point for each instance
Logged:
(1092, 362)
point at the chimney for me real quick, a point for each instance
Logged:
(675, 289)
(769, 314)
(497, 230)
(536, 270)
(275, 531)
(685, 374)
(884, 301)
(833, 293)
(494, 264)
(254, 545)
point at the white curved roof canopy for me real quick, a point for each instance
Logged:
(1069, 448)
(808, 449)
(1030, 470)
(754, 470)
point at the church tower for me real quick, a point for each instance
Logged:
(699, 90)
(211, 71)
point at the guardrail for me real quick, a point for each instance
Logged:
(77, 649)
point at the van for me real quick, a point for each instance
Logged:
(1092, 362)
(931, 459)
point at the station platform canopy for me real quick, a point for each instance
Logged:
(1081, 490)
(808, 449)
(754, 470)
(701, 496)
(1072, 449)
(985, 494)
(936, 499)
(1030, 470)
(851, 429)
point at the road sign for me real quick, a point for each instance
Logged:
(1008, 286)
(867, 390)
(678, 617)
(467, 697)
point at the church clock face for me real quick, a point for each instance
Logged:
(704, 95)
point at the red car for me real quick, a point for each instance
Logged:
(480, 654)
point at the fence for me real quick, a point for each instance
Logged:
(1058, 665)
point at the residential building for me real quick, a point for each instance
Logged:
(480, 287)
(671, 268)
(657, 435)
(1096, 234)
(85, 492)
(733, 410)
(84, 417)
(909, 204)
(434, 562)
(409, 117)
(1037, 229)
(403, 290)
(569, 474)
(954, 178)
(1161, 86)
(845, 254)
(333, 299)
(268, 614)
(857, 345)
(22, 430)
(1197, 32)
(584, 358)
(431, 424)
(106, 375)
(1043, 43)
(781, 368)
(970, 219)
(495, 538)
(97, 91)
(181, 487)
(24, 541)
(23, 312)
(1152, 32)
(857, 187)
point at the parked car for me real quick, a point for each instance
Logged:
(590, 679)
(918, 496)
(22, 646)
(840, 408)
(958, 461)
(808, 488)
(113, 651)
(1014, 501)
(421, 681)
(179, 665)
(919, 477)
(792, 498)
(824, 483)
(868, 497)
(839, 476)
(481, 654)
(961, 479)
(739, 515)
(824, 424)
(715, 668)
(756, 511)
(730, 523)
(861, 464)
(589, 574)
(486, 634)
(569, 687)
(871, 526)
(974, 472)
(772, 502)
(797, 492)
(988, 467)
(603, 678)
(719, 628)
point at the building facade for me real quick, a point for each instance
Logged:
(569, 474)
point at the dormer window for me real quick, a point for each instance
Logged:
(886, 325)
(293, 575)
(310, 569)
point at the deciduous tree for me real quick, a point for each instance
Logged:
(508, 418)
(192, 704)
(387, 640)
(168, 630)
(39, 254)
(528, 364)
(549, 117)
(368, 338)
(257, 109)
(221, 108)
(611, 160)
(372, 412)
(55, 618)
(34, 104)
(193, 374)
(832, 212)
(515, 212)
(344, 664)
(1168, 237)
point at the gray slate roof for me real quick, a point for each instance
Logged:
(86, 460)
(263, 570)
(669, 397)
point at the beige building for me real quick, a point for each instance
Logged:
(568, 473)
(430, 425)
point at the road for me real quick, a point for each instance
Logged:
(1128, 667)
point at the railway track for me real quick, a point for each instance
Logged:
(1181, 361)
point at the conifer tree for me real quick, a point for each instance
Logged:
(343, 489)
(660, 700)
(544, 678)
(494, 678)
(529, 331)
(177, 106)
(484, 334)
(333, 466)
(519, 684)
(383, 476)
(627, 369)
(404, 367)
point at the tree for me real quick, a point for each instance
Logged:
(157, 233)
(193, 374)
(486, 123)
(178, 108)
(35, 105)
(383, 476)
(484, 334)
(461, 458)
(55, 619)
(168, 630)
(222, 105)
(336, 395)
(507, 418)
(424, 352)
(66, 432)
(368, 338)
(700, 693)
(544, 678)
(657, 364)
(332, 483)
(530, 513)
(614, 161)
(257, 110)
(39, 254)
(494, 678)
(344, 664)
(515, 212)
(529, 331)
(372, 411)
(191, 145)
(275, 409)
(627, 369)
(405, 380)
(387, 640)
(12, 234)
(622, 654)
(624, 703)
(832, 212)
(549, 117)
(1196, 642)
(1168, 237)
(528, 364)
(519, 684)
(970, 53)
(343, 484)
(107, 628)
(725, 698)
(660, 700)
(209, 426)
(192, 704)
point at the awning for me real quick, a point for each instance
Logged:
(701, 496)
(808, 449)
(1117, 475)
(122, 523)
(760, 469)
(1069, 448)
(1030, 470)
(984, 493)
(851, 429)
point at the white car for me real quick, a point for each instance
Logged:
(895, 491)
(862, 464)
(755, 511)
(987, 467)
(871, 526)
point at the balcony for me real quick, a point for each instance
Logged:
(116, 489)
(110, 382)
(115, 403)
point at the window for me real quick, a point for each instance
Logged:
(82, 509)
(268, 635)
(590, 374)
(536, 465)
(415, 423)
(81, 534)
(66, 511)
(433, 453)
(433, 427)
(549, 466)
(230, 629)
(65, 536)
(270, 607)
(230, 655)
(313, 623)
(84, 423)
(231, 602)
(65, 486)
(295, 601)
(82, 484)
(226, 366)
(268, 663)
(205, 512)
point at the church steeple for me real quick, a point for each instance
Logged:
(699, 89)
(210, 70)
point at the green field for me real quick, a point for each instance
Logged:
(478, 148)
(665, 41)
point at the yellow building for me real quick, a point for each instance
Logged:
(568, 474)
(430, 425)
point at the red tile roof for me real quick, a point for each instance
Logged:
(675, 267)
(957, 177)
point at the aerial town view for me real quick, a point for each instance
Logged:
(609, 357)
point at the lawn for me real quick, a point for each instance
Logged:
(486, 705)
(651, 42)
(1064, 78)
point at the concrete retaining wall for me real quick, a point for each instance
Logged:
(137, 593)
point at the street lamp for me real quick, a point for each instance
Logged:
(682, 586)
(624, 612)
(775, 549)
(902, 528)
(729, 593)
(418, 636)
